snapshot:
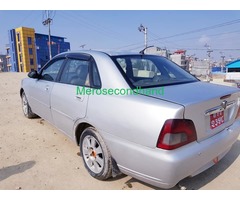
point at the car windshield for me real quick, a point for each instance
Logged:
(151, 71)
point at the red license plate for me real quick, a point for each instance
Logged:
(216, 119)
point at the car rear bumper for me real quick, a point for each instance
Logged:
(164, 168)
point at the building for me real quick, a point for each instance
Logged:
(199, 68)
(179, 57)
(25, 45)
(3, 63)
(28, 50)
(157, 51)
(58, 45)
(8, 57)
(12, 61)
(233, 70)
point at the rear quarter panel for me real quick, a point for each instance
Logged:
(136, 118)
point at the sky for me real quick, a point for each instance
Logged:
(116, 31)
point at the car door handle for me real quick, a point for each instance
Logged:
(79, 97)
(47, 88)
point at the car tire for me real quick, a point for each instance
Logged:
(95, 154)
(27, 111)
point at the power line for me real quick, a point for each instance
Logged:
(192, 31)
(201, 29)
(218, 34)
(79, 19)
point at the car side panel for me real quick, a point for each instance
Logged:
(38, 94)
(67, 107)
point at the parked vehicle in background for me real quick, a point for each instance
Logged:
(157, 137)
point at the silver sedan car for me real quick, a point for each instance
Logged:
(141, 115)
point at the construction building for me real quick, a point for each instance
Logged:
(28, 50)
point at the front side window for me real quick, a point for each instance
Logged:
(51, 71)
(151, 71)
(76, 72)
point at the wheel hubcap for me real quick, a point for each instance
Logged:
(93, 154)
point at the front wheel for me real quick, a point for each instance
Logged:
(27, 111)
(96, 156)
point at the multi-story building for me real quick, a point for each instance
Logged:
(12, 61)
(58, 45)
(3, 63)
(179, 57)
(8, 57)
(26, 49)
(30, 51)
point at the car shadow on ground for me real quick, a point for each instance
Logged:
(6, 172)
(196, 182)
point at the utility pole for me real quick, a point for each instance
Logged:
(143, 29)
(209, 51)
(47, 22)
(223, 62)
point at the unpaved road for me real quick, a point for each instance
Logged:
(35, 155)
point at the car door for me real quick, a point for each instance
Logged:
(41, 89)
(68, 106)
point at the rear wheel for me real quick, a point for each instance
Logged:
(27, 111)
(96, 156)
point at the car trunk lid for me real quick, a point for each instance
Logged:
(211, 107)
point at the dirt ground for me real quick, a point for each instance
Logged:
(35, 155)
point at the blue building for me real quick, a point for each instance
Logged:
(58, 45)
(12, 51)
(233, 70)
(28, 50)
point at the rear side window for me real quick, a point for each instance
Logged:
(76, 72)
(96, 77)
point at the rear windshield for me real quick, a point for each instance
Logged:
(151, 71)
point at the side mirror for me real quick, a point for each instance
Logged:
(33, 74)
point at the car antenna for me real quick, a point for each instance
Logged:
(142, 51)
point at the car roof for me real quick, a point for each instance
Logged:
(96, 52)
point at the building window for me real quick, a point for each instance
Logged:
(19, 48)
(30, 51)
(18, 37)
(31, 61)
(11, 35)
(29, 40)
(20, 58)
(21, 68)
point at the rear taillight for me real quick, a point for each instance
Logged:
(176, 133)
